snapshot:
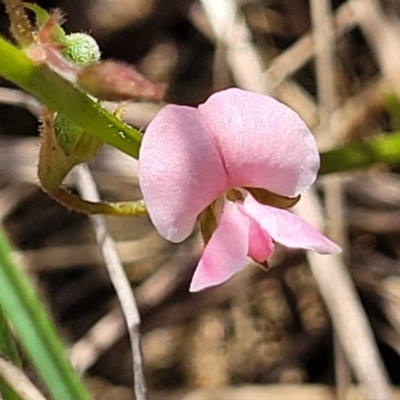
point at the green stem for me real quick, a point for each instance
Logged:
(73, 202)
(384, 149)
(35, 330)
(60, 95)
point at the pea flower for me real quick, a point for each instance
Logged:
(228, 163)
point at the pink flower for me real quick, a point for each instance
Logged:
(203, 163)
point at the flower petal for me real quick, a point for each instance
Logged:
(180, 171)
(260, 242)
(263, 143)
(287, 228)
(226, 252)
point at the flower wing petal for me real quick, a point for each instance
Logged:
(263, 143)
(180, 171)
(288, 229)
(226, 252)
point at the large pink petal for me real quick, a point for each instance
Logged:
(263, 143)
(226, 252)
(287, 228)
(180, 171)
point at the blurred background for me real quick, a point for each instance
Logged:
(332, 67)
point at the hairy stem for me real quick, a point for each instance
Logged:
(21, 27)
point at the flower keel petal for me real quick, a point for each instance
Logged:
(226, 252)
(260, 243)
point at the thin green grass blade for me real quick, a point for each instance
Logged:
(7, 393)
(8, 347)
(8, 350)
(35, 330)
(384, 149)
(392, 104)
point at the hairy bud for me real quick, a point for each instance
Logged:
(114, 81)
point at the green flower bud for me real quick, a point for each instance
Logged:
(81, 49)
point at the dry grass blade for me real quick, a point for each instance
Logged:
(302, 51)
(152, 292)
(98, 339)
(19, 382)
(345, 120)
(18, 98)
(270, 392)
(384, 41)
(61, 257)
(346, 311)
(234, 42)
(88, 190)
(232, 32)
(324, 48)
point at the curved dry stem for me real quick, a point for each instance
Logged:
(54, 166)
(74, 202)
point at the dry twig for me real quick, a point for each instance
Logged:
(324, 49)
(151, 293)
(109, 329)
